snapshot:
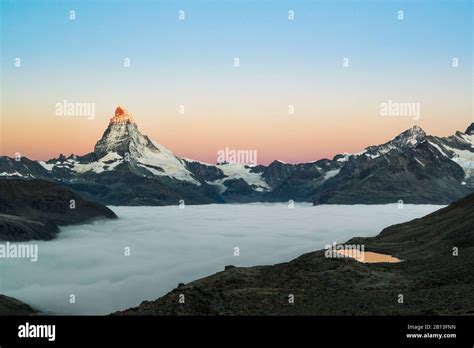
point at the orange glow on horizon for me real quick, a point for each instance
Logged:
(292, 139)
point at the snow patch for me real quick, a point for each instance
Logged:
(240, 171)
(331, 173)
(166, 160)
(47, 166)
(465, 159)
(98, 166)
(439, 149)
(416, 159)
(16, 174)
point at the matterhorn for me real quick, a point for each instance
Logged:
(123, 137)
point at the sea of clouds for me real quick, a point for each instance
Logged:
(169, 245)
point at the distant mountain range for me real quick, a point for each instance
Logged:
(127, 168)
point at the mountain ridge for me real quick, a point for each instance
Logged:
(33, 209)
(127, 168)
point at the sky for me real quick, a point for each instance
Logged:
(284, 64)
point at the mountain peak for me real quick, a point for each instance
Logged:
(470, 129)
(417, 130)
(123, 137)
(407, 139)
(414, 134)
(121, 116)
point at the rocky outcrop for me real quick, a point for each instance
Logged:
(470, 129)
(33, 209)
(204, 172)
(11, 306)
(20, 228)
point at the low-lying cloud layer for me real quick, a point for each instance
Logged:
(169, 245)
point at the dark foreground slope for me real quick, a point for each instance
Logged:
(33, 209)
(431, 279)
(11, 306)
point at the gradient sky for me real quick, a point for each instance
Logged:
(190, 62)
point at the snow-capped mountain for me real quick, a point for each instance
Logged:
(458, 148)
(413, 167)
(128, 168)
(408, 139)
(122, 137)
(122, 143)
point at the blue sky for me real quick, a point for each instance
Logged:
(282, 61)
